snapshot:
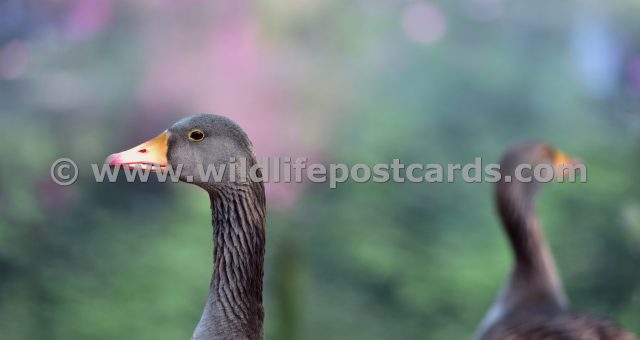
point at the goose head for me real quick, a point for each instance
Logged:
(193, 148)
(530, 155)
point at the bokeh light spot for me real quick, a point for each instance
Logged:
(424, 23)
(87, 18)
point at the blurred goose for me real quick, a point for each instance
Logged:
(234, 306)
(532, 304)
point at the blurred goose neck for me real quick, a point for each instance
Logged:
(534, 281)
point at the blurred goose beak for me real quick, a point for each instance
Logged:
(564, 162)
(150, 155)
(560, 158)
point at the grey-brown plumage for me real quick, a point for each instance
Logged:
(565, 326)
(196, 145)
(532, 304)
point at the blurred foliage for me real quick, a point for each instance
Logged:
(365, 81)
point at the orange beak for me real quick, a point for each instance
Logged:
(150, 155)
(560, 159)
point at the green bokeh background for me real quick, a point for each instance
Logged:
(355, 82)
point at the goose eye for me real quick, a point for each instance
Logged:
(196, 136)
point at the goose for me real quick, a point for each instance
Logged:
(532, 304)
(233, 309)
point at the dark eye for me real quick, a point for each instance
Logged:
(196, 135)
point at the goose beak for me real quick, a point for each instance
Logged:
(150, 155)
